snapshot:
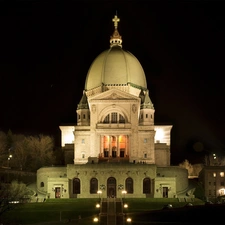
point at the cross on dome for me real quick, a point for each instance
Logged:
(116, 20)
(116, 39)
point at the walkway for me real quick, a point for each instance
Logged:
(111, 212)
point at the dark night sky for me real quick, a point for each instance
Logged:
(47, 47)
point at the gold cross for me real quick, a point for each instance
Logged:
(116, 20)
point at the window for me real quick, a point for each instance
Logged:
(121, 119)
(145, 140)
(146, 186)
(222, 183)
(83, 155)
(209, 183)
(106, 120)
(93, 186)
(114, 118)
(214, 174)
(129, 185)
(83, 141)
(145, 155)
(210, 192)
(221, 174)
(42, 184)
(83, 116)
(76, 186)
(146, 115)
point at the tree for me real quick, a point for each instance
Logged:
(41, 151)
(185, 164)
(193, 170)
(3, 149)
(27, 152)
(21, 153)
(9, 193)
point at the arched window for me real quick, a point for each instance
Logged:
(76, 186)
(147, 186)
(42, 184)
(114, 117)
(129, 185)
(93, 186)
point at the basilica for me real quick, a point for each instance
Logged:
(115, 148)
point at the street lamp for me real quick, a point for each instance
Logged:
(99, 192)
(95, 219)
(9, 158)
(129, 220)
(124, 192)
(125, 206)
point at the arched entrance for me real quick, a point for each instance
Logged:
(111, 187)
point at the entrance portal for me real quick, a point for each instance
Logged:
(111, 187)
(57, 192)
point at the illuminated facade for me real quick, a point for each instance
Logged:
(116, 144)
(115, 116)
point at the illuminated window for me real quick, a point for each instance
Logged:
(222, 192)
(221, 174)
(214, 174)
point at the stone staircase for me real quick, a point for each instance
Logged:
(111, 212)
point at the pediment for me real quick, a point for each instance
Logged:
(113, 94)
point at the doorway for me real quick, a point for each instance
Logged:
(57, 192)
(111, 187)
(165, 192)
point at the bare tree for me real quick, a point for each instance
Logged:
(21, 152)
(41, 150)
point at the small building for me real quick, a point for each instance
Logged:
(213, 181)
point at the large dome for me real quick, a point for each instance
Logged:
(115, 67)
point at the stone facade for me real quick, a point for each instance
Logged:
(112, 179)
